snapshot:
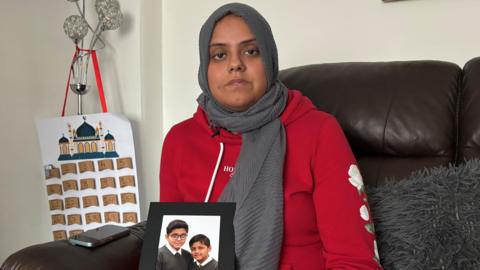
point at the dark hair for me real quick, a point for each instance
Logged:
(200, 238)
(177, 224)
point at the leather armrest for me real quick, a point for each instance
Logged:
(123, 253)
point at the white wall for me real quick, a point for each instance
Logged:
(318, 31)
(151, 124)
(150, 73)
(34, 60)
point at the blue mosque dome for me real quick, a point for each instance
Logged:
(63, 140)
(109, 137)
(85, 130)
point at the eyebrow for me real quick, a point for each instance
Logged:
(241, 43)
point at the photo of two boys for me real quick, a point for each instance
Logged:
(172, 255)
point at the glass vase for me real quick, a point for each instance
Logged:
(79, 84)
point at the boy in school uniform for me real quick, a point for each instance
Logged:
(171, 256)
(200, 248)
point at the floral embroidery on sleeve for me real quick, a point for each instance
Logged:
(356, 180)
(364, 213)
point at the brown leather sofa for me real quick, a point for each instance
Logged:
(398, 117)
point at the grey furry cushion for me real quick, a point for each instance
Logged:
(430, 220)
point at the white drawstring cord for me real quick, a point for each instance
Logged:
(219, 159)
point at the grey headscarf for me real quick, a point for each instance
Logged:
(257, 185)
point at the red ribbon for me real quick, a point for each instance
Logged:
(98, 79)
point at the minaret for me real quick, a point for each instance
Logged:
(70, 132)
(70, 138)
(101, 129)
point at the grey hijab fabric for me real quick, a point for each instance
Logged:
(257, 185)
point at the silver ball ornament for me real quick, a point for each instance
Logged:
(75, 27)
(109, 14)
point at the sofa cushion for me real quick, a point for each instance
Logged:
(431, 220)
(123, 253)
(469, 126)
(398, 116)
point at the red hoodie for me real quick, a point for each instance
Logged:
(326, 218)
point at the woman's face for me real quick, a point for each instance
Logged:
(236, 76)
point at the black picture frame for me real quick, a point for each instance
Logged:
(156, 213)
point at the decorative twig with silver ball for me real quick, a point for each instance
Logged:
(76, 28)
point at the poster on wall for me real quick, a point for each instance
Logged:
(89, 172)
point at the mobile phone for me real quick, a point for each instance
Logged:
(99, 236)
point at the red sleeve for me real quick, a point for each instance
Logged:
(169, 164)
(343, 216)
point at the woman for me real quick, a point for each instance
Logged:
(299, 198)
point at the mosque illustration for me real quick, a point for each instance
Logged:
(86, 142)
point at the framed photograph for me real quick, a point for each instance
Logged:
(189, 236)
